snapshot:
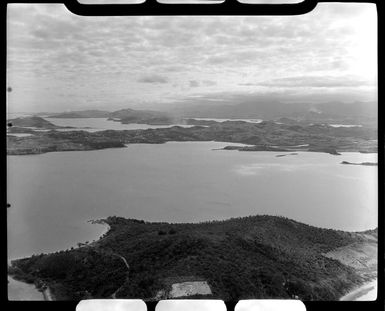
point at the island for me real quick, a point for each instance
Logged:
(284, 155)
(254, 257)
(362, 163)
(263, 136)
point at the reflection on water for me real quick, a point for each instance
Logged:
(345, 125)
(223, 120)
(19, 134)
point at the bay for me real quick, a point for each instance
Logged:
(101, 124)
(53, 195)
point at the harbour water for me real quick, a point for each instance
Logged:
(53, 195)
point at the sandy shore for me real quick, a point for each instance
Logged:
(366, 292)
(47, 294)
(18, 290)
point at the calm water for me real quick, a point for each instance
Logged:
(100, 124)
(54, 194)
(345, 125)
(223, 120)
(20, 134)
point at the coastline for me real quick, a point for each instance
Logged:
(130, 225)
(40, 286)
(106, 226)
(19, 290)
(48, 294)
(38, 290)
(291, 138)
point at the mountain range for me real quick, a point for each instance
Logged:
(344, 113)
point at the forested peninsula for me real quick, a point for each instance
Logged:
(241, 258)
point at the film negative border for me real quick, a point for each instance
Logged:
(228, 7)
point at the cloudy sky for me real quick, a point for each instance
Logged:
(59, 61)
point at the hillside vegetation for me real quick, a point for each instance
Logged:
(242, 258)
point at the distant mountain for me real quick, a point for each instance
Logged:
(266, 110)
(152, 117)
(344, 113)
(355, 109)
(125, 116)
(247, 108)
(81, 114)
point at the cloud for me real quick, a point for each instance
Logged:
(247, 84)
(209, 83)
(47, 46)
(203, 83)
(193, 83)
(316, 81)
(153, 79)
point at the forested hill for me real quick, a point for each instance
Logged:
(251, 257)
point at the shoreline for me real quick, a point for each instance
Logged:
(106, 226)
(48, 294)
(40, 286)
(290, 140)
(15, 287)
(45, 287)
(235, 146)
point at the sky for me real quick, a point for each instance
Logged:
(58, 61)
